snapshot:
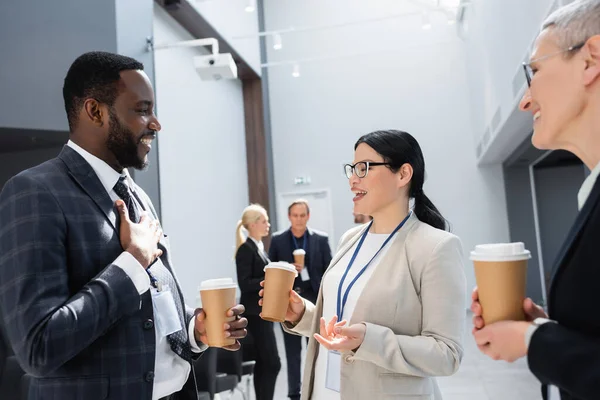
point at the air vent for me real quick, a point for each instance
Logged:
(486, 137)
(496, 120)
(519, 80)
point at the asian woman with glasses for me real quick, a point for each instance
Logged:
(390, 314)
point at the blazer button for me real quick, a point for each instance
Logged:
(148, 324)
(149, 376)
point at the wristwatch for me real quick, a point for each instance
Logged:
(536, 323)
(541, 321)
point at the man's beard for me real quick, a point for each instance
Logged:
(123, 144)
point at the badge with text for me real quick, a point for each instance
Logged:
(166, 317)
(334, 371)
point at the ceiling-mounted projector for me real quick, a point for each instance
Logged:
(213, 67)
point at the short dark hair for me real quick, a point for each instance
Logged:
(94, 75)
(297, 203)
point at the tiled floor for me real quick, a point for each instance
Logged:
(479, 377)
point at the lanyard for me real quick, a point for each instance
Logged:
(341, 302)
(296, 247)
(153, 281)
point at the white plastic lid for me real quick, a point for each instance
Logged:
(223, 283)
(299, 251)
(282, 265)
(500, 252)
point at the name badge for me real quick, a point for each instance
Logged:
(334, 371)
(304, 275)
(166, 318)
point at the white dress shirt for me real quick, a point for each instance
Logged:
(582, 196)
(331, 281)
(259, 244)
(587, 186)
(170, 370)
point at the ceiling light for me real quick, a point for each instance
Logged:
(426, 21)
(277, 42)
(251, 6)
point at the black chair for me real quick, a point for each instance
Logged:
(229, 370)
(248, 353)
(205, 372)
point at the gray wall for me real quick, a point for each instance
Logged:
(38, 42)
(519, 204)
(556, 191)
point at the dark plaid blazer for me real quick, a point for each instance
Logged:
(74, 319)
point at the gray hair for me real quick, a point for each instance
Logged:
(575, 23)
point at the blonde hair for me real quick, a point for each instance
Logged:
(251, 214)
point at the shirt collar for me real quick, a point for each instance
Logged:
(107, 175)
(259, 244)
(587, 186)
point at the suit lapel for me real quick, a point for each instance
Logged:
(311, 246)
(86, 178)
(347, 246)
(260, 253)
(576, 229)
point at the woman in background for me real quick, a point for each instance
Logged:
(250, 260)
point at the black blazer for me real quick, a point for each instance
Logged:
(567, 354)
(319, 254)
(250, 263)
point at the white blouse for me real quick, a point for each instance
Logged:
(331, 283)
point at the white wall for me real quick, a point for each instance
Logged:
(237, 26)
(202, 157)
(499, 38)
(421, 88)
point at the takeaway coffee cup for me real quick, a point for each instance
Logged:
(218, 296)
(501, 274)
(299, 255)
(279, 280)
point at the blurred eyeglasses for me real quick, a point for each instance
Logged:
(361, 168)
(530, 71)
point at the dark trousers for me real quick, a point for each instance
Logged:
(267, 358)
(293, 354)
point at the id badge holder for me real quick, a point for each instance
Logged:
(304, 275)
(334, 370)
(166, 318)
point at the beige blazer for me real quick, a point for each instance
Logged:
(414, 308)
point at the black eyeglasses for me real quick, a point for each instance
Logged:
(529, 72)
(361, 168)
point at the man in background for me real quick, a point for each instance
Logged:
(317, 259)
(361, 219)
